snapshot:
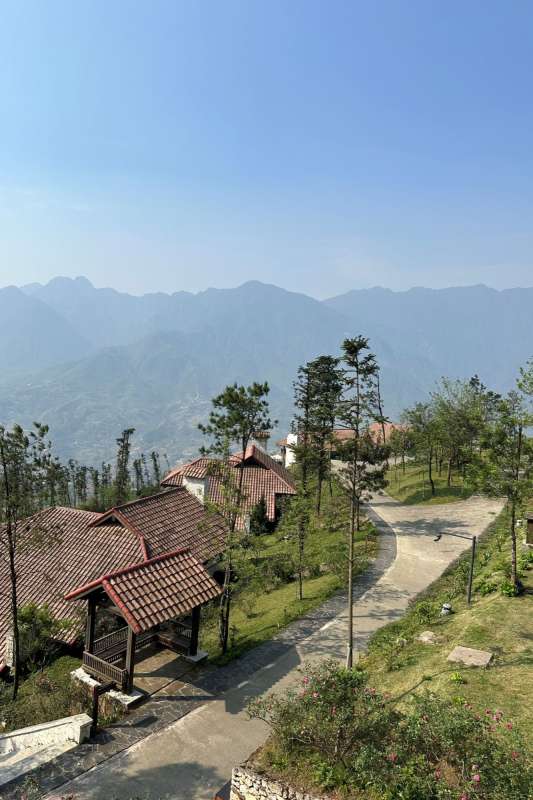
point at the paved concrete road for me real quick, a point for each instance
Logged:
(192, 758)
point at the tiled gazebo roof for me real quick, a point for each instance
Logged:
(156, 590)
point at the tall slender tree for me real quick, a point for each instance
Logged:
(122, 474)
(422, 424)
(363, 457)
(326, 389)
(238, 413)
(505, 467)
(25, 462)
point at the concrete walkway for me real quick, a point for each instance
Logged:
(192, 758)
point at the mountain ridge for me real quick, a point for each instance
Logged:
(105, 359)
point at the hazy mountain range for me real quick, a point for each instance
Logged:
(90, 362)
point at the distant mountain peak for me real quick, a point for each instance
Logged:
(79, 282)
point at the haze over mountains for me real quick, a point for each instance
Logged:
(90, 362)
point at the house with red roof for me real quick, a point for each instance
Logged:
(340, 435)
(262, 478)
(148, 563)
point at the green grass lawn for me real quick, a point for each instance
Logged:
(43, 696)
(258, 615)
(412, 487)
(494, 622)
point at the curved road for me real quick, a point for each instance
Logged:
(192, 758)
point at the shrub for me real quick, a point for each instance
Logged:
(425, 611)
(278, 569)
(525, 560)
(332, 709)
(338, 733)
(259, 522)
(456, 677)
(485, 587)
(38, 630)
(508, 589)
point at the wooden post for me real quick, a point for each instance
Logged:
(195, 629)
(91, 620)
(130, 659)
(471, 573)
(98, 690)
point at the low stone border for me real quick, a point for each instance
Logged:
(246, 784)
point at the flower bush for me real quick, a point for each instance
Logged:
(335, 732)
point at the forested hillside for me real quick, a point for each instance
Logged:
(90, 362)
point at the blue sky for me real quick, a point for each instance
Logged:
(321, 146)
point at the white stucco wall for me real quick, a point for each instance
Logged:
(292, 440)
(196, 486)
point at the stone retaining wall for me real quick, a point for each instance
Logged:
(249, 785)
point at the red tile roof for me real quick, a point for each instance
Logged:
(256, 454)
(262, 477)
(156, 590)
(168, 521)
(70, 552)
(80, 546)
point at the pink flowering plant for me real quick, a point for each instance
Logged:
(329, 714)
(335, 732)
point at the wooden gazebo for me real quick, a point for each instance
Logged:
(159, 600)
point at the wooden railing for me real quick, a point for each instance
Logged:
(183, 629)
(113, 646)
(111, 640)
(103, 669)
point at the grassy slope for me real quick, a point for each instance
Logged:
(42, 696)
(258, 619)
(500, 624)
(412, 487)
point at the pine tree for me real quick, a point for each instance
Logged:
(25, 463)
(238, 412)
(364, 459)
(326, 384)
(122, 475)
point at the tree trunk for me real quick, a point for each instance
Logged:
(319, 492)
(14, 616)
(449, 475)
(514, 575)
(225, 600)
(430, 472)
(349, 648)
(301, 539)
(223, 622)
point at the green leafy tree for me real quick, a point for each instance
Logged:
(25, 462)
(259, 522)
(122, 474)
(423, 425)
(505, 468)
(156, 467)
(238, 413)
(39, 630)
(294, 528)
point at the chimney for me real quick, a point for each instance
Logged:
(261, 439)
(197, 487)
